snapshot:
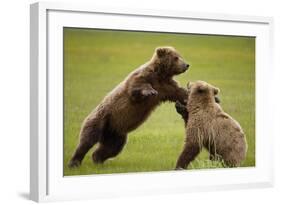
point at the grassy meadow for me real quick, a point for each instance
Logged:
(95, 61)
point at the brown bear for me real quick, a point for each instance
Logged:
(129, 104)
(210, 127)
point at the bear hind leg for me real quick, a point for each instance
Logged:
(190, 151)
(213, 155)
(89, 136)
(109, 147)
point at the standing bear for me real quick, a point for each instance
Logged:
(210, 127)
(129, 104)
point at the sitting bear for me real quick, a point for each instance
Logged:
(210, 127)
(129, 105)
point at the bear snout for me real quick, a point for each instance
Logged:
(185, 67)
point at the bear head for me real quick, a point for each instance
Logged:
(168, 62)
(201, 92)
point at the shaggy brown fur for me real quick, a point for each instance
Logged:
(210, 127)
(129, 105)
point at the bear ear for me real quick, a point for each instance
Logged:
(161, 51)
(188, 85)
(216, 91)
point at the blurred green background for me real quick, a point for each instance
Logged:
(95, 61)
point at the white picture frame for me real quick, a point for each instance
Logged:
(47, 182)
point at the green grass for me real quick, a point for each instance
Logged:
(95, 61)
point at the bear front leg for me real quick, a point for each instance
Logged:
(148, 92)
(89, 136)
(190, 151)
(79, 153)
(181, 109)
(176, 93)
(179, 94)
(110, 147)
(182, 95)
(143, 91)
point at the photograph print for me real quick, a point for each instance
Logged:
(138, 101)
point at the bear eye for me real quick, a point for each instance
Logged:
(176, 58)
(201, 90)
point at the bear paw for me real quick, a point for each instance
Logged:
(149, 92)
(74, 164)
(179, 169)
(181, 109)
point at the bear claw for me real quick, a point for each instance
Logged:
(149, 92)
(74, 163)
